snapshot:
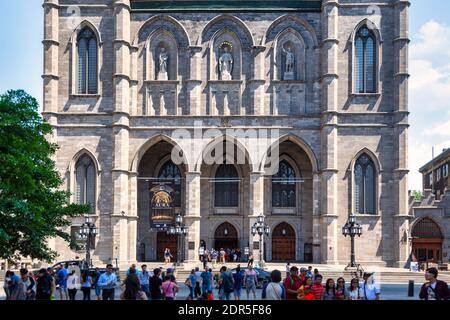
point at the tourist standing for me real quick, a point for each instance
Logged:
(144, 279)
(434, 289)
(275, 289)
(214, 255)
(305, 292)
(98, 289)
(25, 287)
(353, 291)
(169, 289)
(222, 255)
(108, 283)
(330, 290)
(72, 285)
(155, 285)
(167, 256)
(226, 284)
(288, 269)
(238, 278)
(250, 261)
(318, 288)
(44, 285)
(369, 290)
(250, 281)
(13, 282)
(304, 273)
(206, 280)
(6, 284)
(309, 272)
(198, 280)
(191, 283)
(86, 285)
(133, 289)
(341, 290)
(61, 282)
(292, 284)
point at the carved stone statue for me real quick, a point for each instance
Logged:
(163, 59)
(290, 62)
(226, 64)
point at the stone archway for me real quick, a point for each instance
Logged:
(226, 237)
(283, 243)
(427, 241)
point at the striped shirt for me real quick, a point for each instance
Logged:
(317, 290)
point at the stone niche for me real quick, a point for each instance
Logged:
(225, 97)
(162, 97)
(288, 97)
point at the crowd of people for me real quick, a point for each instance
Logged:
(298, 284)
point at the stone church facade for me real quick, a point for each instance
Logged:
(122, 77)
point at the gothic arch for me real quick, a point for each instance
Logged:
(371, 155)
(81, 26)
(434, 230)
(162, 21)
(235, 24)
(159, 38)
(294, 22)
(376, 183)
(294, 39)
(371, 25)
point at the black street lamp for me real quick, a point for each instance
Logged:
(352, 229)
(179, 230)
(88, 231)
(260, 228)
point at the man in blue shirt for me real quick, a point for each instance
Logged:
(144, 279)
(13, 282)
(61, 284)
(108, 283)
(206, 281)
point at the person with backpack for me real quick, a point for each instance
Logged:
(238, 278)
(24, 289)
(292, 284)
(434, 289)
(226, 284)
(274, 290)
(44, 285)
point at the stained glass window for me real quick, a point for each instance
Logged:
(365, 188)
(171, 173)
(283, 187)
(365, 64)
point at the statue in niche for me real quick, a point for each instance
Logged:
(163, 59)
(226, 64)
(290, 62)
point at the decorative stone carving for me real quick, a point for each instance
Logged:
(226, 63)
(163, 61)
(290, 63)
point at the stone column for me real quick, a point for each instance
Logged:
(324, 235)
(400, 193)
(123, 222)
(195, 82)
(258, 80)
(256, 208)
(192, 217)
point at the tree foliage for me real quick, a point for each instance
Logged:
(33, 208)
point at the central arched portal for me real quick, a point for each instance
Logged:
(283, 243)
(226, 237)
(427, 241)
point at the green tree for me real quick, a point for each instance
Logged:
(417, 195)
(33, 209)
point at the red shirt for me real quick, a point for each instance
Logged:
(292, 283)
(317, 290)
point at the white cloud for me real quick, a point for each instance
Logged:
(440, 130)
(433, 41)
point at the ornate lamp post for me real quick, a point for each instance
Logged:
(88, 231)
(260, 228)
(352, 229)
(179, 230)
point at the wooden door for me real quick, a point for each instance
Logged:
(166, 241)
(283, 243)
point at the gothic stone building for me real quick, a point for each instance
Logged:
(121, 76)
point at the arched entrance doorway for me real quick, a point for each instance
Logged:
(427, 241)
(283, 243)
(166, 241)
(226, 237)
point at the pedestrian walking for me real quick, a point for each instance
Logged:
(250, 281)
(306, 292)
(434, 289)
(169, 289)
(108, 283)
(198, 280)
(250, 261)
(133, 289)
(318, 288)
(353, 291)
(369, 289)
(207, 280)
(226, 284)
(6, 284)
(98, 289)
(292, 284)
(25, 287)
(155, 285)
(191, 283)
(330, 290)
(45, 285)
(341, 290)
(238, 278)
(61, 282)
(274, 290)
(13, 283)
(86, 285)
(73, 285)
(144, 280)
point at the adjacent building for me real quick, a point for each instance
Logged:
(123, 77)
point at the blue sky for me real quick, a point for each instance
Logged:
(21, 67)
